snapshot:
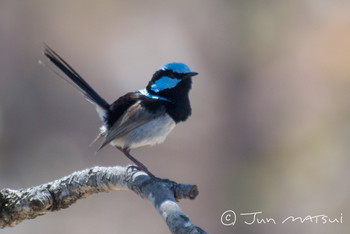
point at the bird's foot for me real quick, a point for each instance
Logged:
(144, 169)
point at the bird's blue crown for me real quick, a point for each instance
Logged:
(175, 67)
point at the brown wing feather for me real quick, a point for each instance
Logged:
(133, 118)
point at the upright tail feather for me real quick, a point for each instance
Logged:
(84, 87)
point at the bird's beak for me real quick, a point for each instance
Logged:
(190, 74)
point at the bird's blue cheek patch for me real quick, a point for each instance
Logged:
(164, 82)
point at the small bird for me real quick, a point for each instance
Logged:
(140, 118)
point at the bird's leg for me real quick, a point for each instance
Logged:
(139, 165)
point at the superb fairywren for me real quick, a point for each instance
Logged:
(143, 117)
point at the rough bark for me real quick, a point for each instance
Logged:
(18, 205)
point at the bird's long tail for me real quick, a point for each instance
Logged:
(80, 83)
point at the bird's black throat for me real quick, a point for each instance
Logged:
(179, 107)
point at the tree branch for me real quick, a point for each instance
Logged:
(18, 205)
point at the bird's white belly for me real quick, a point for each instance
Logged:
(151, 133)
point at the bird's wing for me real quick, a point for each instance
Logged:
(134, 117)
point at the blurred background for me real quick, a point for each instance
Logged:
(270, 127)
